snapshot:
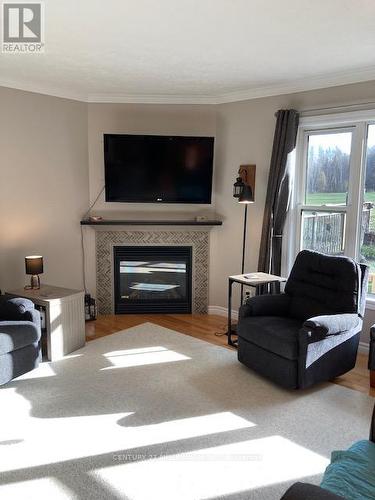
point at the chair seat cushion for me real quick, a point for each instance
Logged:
(17, 334)
(273, 333)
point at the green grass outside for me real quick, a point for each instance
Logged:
(333, 198)
(339, 198)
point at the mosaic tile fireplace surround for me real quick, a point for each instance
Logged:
(107, 240)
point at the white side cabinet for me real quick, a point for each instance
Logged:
(63, 330)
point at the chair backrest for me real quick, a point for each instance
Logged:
(324, 284)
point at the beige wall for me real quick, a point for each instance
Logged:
(244, 135)
(43, 186)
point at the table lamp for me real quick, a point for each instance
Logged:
(34, 267)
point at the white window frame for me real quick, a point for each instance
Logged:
(356, 122)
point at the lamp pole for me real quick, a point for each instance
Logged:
(244, 193)
(244, 247)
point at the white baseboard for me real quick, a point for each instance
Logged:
(363, 348)
(223, 311)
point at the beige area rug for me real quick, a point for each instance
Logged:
(149, 413)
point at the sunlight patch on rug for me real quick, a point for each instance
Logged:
(212, 472)
(141, 357)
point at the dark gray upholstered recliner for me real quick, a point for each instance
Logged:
(19, 338)
(311, 332)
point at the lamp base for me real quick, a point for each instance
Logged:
(34, 283)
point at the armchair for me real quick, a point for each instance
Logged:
(311, 332)
(19, 338)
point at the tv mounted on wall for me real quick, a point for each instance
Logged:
(158, 169)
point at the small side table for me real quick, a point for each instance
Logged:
(63, 330)
(255, 280)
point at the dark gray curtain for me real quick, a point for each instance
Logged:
(278, 192)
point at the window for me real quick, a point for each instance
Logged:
(334, 195)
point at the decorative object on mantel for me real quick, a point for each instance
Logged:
(243, 190)
(95, 218)
(151, 222)
(34, 267)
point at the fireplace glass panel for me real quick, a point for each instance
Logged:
(152, 279)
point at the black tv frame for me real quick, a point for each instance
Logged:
(158, 202)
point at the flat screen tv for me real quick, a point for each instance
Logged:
(158, 169)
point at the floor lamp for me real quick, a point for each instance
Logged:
(245, 196)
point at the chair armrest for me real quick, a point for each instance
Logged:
(305, 491)
(18, 309)
(320, 327)
(17, 334)
(266, 305)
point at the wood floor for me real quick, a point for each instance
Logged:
(210, 328)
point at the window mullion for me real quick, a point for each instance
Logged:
(355, 204)
(298, 198)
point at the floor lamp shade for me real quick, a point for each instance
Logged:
(34, 264)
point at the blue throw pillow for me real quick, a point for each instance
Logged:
(351, 473)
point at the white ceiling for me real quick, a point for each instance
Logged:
(196, 50)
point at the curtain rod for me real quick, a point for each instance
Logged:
(343, 107)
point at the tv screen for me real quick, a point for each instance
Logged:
(158, 169)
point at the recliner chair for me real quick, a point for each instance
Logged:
(19, 338)
(310, 333)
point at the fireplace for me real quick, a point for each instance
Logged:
(152, 279)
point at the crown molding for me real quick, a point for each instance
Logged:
(151, 99)
(44, 90)
(300, 85)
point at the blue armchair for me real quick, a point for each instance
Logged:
(310, 333)
(20, 334)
